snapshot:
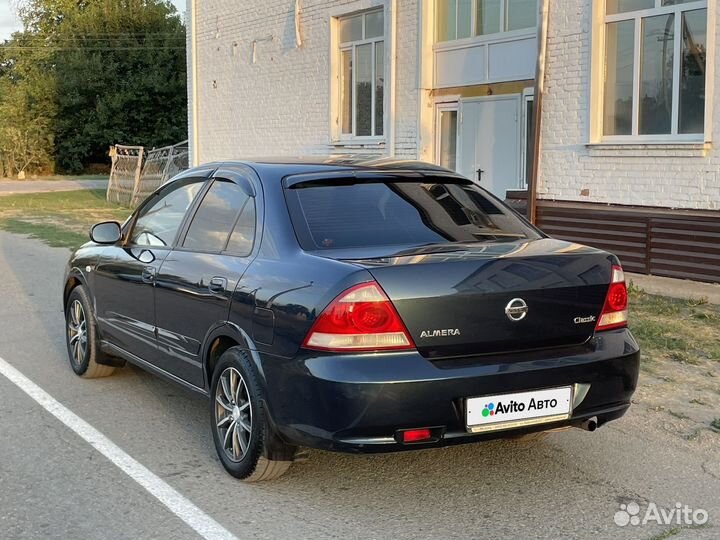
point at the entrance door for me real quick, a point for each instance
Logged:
(490, 142)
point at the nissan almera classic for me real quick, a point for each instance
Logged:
(355, 306)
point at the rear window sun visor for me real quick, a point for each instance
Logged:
(351, 177)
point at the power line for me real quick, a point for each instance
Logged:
(109, 43)
(78, 48)
(126, 33)
(100, 36)
(82, 41)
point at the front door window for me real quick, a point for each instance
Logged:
(159, 221)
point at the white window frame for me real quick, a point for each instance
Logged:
(338, 49)
(439, 109)
(599, 60)
(473, 26)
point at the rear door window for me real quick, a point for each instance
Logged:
(216, 216)
(377, 213)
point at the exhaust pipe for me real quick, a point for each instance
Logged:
(590, 424)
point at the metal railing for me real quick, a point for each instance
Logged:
(136, 173)
(124, 174)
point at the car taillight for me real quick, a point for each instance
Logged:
(361, 319)
(615, 310)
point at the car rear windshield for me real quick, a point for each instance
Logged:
(341, 215)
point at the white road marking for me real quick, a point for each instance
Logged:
(198, 520)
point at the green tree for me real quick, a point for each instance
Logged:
(27, 106)
(117, 70)
(26, 130)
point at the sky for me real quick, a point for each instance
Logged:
(9, 23)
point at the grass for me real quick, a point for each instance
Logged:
(685, 331)
(50, 234)
(667, 534)
(680, 343)
(60, 219)
(678, 415)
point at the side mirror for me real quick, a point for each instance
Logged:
(107, 232)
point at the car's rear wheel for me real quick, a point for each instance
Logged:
(81, 336)
(245, 442)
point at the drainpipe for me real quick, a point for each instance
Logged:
(393, 73)
(194, 102)
(537, 107)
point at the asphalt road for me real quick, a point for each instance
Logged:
(53, 484)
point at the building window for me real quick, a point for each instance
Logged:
(654, 69)
(362, 74)
(459, 19)
(447, 130)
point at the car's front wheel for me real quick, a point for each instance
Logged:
(245, 442)
(81, 336)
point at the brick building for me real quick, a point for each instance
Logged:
(410, 78)
(629, 117)
(627, 160)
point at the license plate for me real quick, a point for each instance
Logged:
(507, 411)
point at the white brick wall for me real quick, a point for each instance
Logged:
(281, 104)
(669, 176)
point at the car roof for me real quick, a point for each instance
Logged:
(286, 166)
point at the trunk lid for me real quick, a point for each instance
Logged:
(470, 299)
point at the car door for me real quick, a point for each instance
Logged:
(196, 280)
(125, 274)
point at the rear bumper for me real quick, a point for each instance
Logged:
(356, 403)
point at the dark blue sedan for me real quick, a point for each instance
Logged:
(350, 305)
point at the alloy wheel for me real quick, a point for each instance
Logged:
(233, 414)
(77, 332)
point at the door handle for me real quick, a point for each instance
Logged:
(218, 285)
(148, 274)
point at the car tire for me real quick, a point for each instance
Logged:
(244, 439)
(81, 337)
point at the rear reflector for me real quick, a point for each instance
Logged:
(615, 310)
(416, 435)
(361, 319)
